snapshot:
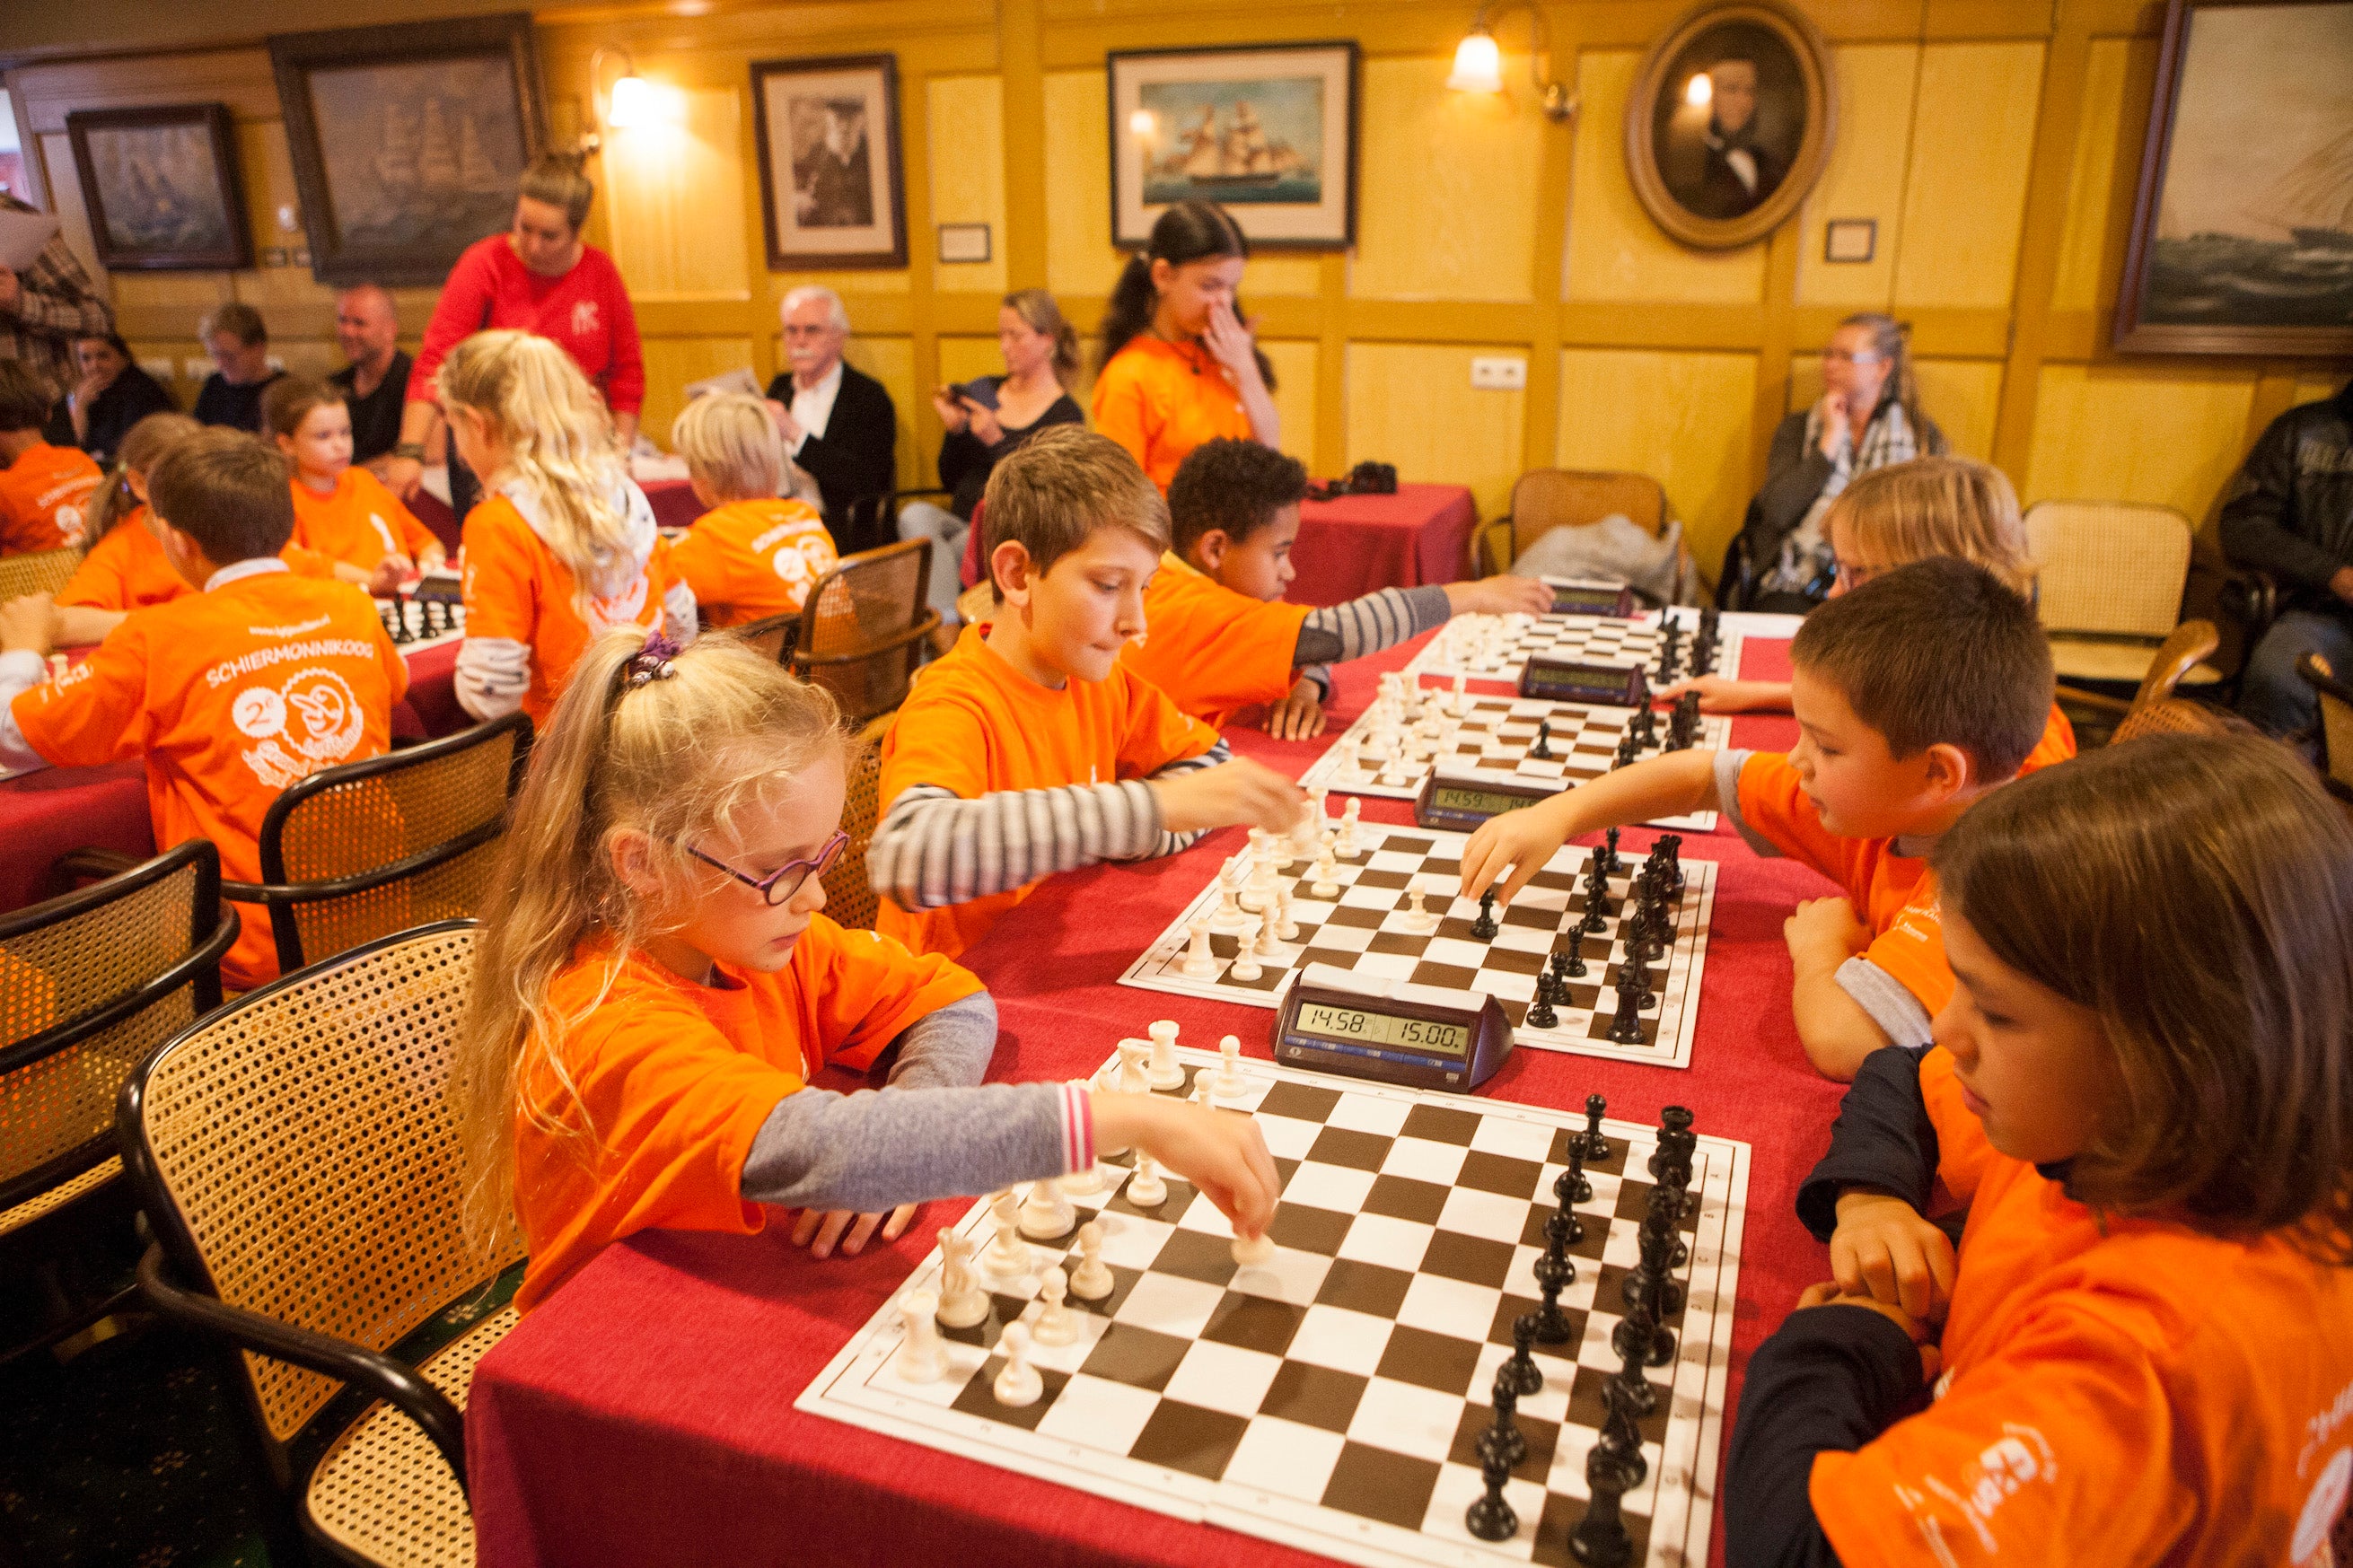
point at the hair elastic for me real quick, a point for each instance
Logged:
(651, 662)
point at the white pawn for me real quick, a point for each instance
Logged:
(1091, 1281)
(1228, 914)
(1460, 703)
(1205, 1089)
(1018, 1383)
(1245, 964)
(1284, 926)
(1250, 1254)
(1167, 1072)
(1146, 1190)
(1348, 819)
(1200, 963)
(1056, 1324)
(1047, 1212)
(1419, 919)
(922, 1359)
(963, 1303)
(1270, 944)
(1006, 1257)
(1324, 886)
(1230, 1082)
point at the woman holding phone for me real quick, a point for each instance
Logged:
(988, 417)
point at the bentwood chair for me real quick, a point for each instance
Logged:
(848, 899)
(864, 627)
(89, 983)
(2108, 586)
(36, 572)
(2335, 722)
(872, 522)
(1546, 498)
(299, 1161)
(773, 637)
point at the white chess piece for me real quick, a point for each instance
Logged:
(963, 1303)
(1458, 703)
(1056, 1324)
(1316, 812)
(1082, 1183)
(1324, 886)
(1259, 891)
(1285, 926)
(1047, 1212)
(1146, 1190)
(1270, 949)
(1018, 1383)
(1199, 963)
(922, 1359)
(1006, 1257)
(1227, 915)
(1250, 1254)
(1091, 1281)
(1348, 820)
(1230, 1082)
(1205, 1089)
(1167, 1072)
(1419, 919)
(1245, 966)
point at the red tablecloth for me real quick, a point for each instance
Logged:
(674, 502)
(644, 1414)
(1353, 545)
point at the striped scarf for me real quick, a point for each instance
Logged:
(1806, 556)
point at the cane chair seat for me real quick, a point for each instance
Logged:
(864, 627)
(849, 899)
(36, 572)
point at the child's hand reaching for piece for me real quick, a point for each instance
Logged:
(1827, 1294)
(1500, 596)
(1884, 1250)
(1222, 1153)
(1719, 694)
(1520, 841)
(1299, 716)
(1240, 794)
(821, 1230)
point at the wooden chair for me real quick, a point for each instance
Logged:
(850, 900)
(2108, 587)
(2335, 723)
(2191, 644)
(1546, 498)
(864, 627)
(978, 602)
(870, 522)
(37, 571)
(89, 983)
(771, 637)
(298, 1159)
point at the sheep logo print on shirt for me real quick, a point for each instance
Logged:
(802, 558)
(311, 720)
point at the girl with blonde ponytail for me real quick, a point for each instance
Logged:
(563, 545)
(657, 984)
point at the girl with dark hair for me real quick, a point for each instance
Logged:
(1179, 365)
(112, 395)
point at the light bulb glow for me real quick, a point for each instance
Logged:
(632, 103)
(1700, 91)
(1478, 64)
(1143, 123)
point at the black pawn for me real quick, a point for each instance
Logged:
(1555, 1272)
(1625, 754)
(1639, 1339)
(1570, 965)
(1600, 1539)
(1597, 1146)
(1490, 1518)
(1620, 1438)
(401, 634)
(1572, 1186)
(1542, 750)
(1540, 1013)
(1485, 928)
(1610, 861)
(1504, 1438)
(1525, 1376)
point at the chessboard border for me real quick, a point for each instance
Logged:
(1177, 1495)
(1731, 645)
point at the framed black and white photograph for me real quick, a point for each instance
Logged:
(831, 185)
(407, 140)
(2243, 225)
(1730, 122)
(1268, 132)
(161, 188)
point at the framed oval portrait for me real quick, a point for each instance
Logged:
(1729, 123)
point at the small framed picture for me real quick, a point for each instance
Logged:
(161, 186)
(1850, 239)
(964, 242)
(830, 180)
(1268, 132)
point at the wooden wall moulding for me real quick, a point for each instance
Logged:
(1730, 122)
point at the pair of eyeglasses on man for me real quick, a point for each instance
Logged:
(779, 885)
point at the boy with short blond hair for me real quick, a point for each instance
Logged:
(43, 488)
(259, 678)
(1915, 695)
(1028, 749)
(755, 551)
(1222, 638)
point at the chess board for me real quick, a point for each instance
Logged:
(1493, 742)
(417, 621)
(1330, 1399)
(1364, 929)
(1495, 648)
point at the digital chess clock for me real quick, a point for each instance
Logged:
(445, 586)
(1457, 803)
(1571, 597)
(1391, 1031)
(1568, 681)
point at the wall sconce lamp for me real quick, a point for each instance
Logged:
(628, 104)
(1479, 60)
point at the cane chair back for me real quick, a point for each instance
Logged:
(2108, 585)
(864, 627)
(36, 572)
(771, 637)
(850, 900)
(360, 851)
(89, 983)
(2172, 716)
(977, 603)
(2335, 722)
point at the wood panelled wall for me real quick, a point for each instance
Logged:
(1996, 142)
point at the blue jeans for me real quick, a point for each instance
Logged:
(947, 530)
(2271, 694)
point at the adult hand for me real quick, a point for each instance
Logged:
(25, 624)
(2341, 584)
(1240, 794)
(1232, 344)
(1718, 694)
(819, 1231)
(1502, 595)
(1884, 1250)
(788, 427)
(985, 428)
(1825, 929)
(1827, 1294)
(401, 476)
(1299, 716)
(11, 290)
(390, 573)
(1835, 434)
(951, 412)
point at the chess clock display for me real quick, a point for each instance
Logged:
(1572, 681)
(1590, 599)
(1454, 804)
(1420, 1036)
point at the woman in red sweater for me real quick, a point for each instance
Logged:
(541, 277)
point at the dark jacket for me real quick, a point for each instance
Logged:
(221, 402)
(1795, 474)
(965, 461)
(128, 398)
(376, 418)
(2291, 513)
(857, 456)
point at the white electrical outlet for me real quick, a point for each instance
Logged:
(1499, 373)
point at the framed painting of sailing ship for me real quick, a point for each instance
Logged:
(407, 140)
(831, 185)
(161, 186)
(2242, 230)
(1267, 132)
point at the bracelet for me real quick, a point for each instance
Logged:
(413, 450)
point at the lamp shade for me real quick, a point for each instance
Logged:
(632, 103)
(1478, 63)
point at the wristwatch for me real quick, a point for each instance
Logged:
(413, 450)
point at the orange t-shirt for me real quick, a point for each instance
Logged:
(516, 587)
(231, 695)
(2117, 1391)
(124, 571)
(973, 725)
(752, 559)
(675, 1080)
(1160, 400)
(42, 495)
(2058, 742)
(1214, 651)
(359, 522)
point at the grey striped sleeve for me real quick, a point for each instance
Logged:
(1368, 625)
(1169, 843)
(868, 1151)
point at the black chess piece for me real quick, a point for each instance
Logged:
(1610, 861)
(1704, 659)
(1504, 1435)
(1573, 1185)
(1621, 1438)
(1600, 1539)
(1489, 1517)
(400, 632)
(1570, 965)
(1670, 850)
(1597, 1146)
(1673, 1118)
(1540, 1014)
(1525, 1376)
(1639, 1339)
(1553, 1274)
(1542, 750)
(1485, 928)
(1596, 904)
(1625, 753)
(1626, 1020)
